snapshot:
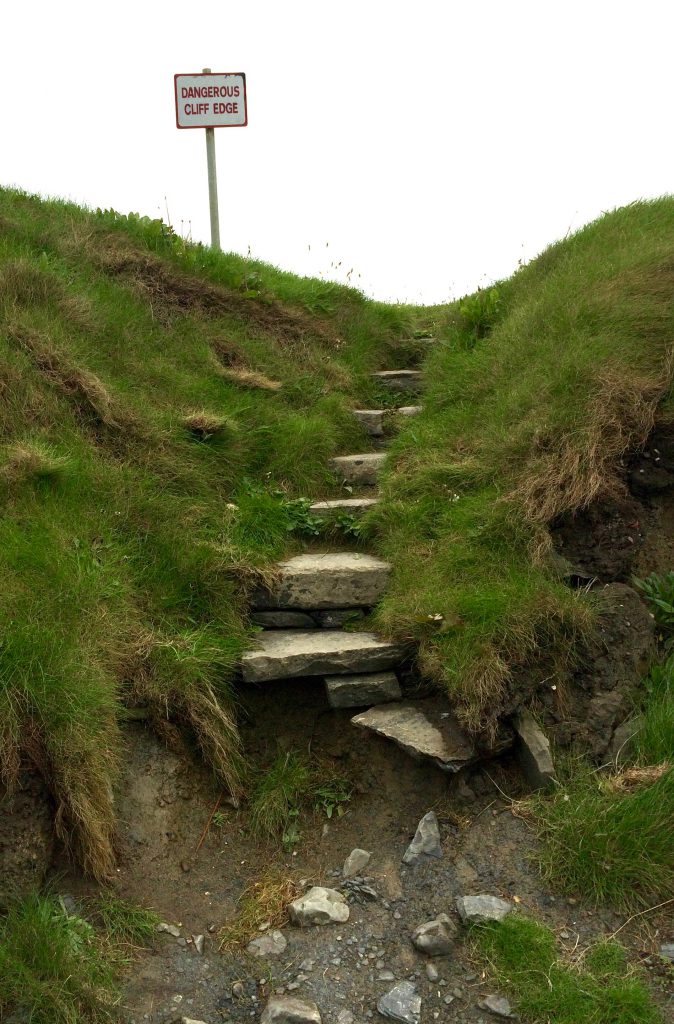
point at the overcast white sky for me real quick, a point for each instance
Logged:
(431, 144)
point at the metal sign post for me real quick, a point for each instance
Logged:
(211, 101)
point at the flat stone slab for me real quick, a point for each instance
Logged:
(272, 943)
(410, 410)
(424, 730)
(372, 420)
(359, 469)
(400, 380)
(348, 506)
(289, 1010)
(402, 1003)
(285, 654)
(361, 690)
(347, 579)
(533, 751)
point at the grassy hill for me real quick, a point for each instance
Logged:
(163, 408)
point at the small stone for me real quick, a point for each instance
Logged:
(191, 1020)
(289, 1010)
(170, 928)
(477, 909)
(237, 989)
(198, 941)
(293, 985)
(386, 976)
(497, 1005)
(212, 928)
(355, 862)
(533, 751)
(182, 942)
(402, 1004)
(432, 972)
(426, 843)
(319, 906)
(345, 1017)
(185, 865)
(448, 1000)
(397, 915)
(435, 938)
(272, 943)
(667, 951)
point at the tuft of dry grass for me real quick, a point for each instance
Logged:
(632, 779)
(264, 902)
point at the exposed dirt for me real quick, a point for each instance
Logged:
(26, 840)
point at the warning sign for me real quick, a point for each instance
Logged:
(211, 100)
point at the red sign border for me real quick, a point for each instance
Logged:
(209, 74)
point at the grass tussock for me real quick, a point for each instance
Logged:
(601, 988)
(125, 569)
(539, 388)
(262, 903)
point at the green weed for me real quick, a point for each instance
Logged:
(658, 591)
(122, 922)
(602, 989)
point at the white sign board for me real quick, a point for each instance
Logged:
(211, 101)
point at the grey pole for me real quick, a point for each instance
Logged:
(212, 183)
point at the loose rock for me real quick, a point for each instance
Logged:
(667, 950)
(401, 1003)
(533, 751)
(477, 909)
(198, 941)
(426, 843)
(497, 1005)
(271, 944)
(170, 928)
(355, 862)
(435, 938)
(432, 972)
(319, 906)
(345, 1017)
(288, 1010)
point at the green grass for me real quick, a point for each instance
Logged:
(654, 742)
(54, 967)
(523, 960)
(292, 784)
(533, 397)
(144, 384)
(123, 923)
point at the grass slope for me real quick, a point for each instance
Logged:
(541, 386)
(146, 386)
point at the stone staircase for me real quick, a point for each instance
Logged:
(316, 594)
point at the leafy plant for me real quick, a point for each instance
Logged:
(331, 796)
(659, 593)
(299, 517)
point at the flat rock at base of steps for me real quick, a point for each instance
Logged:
(409, 410)
(424, 730)
(359, 469)
(290, 653)
(349, 506)
(362, 690)
(400, 380)
(341, 579)
(372, 420)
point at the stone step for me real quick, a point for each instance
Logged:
(410, 410)
(286, 654)
(340, 579)
(359, 469)
(400, 380)
(425, 730)
(362, 690)
(349, 506)
(372, 421)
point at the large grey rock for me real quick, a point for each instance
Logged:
(341, 579)
(435, 938)
(372, 420)
(400, 380)
(355, 862)
(319, 906)
(402, 1003)
(285, 654)
(272, 943)
(288, 1010)
(424, 730)
(346, 506)
(426, 844)
(357, 691)
(283, 620)
(533, 751)
(478, 909)
(359, 469)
